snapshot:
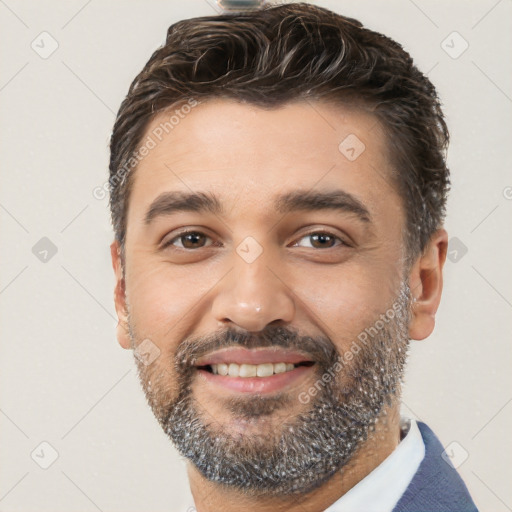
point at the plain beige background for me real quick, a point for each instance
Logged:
(65, 381)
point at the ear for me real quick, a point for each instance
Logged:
(426, 282)
(123, 336)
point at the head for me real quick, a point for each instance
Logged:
(278, 189)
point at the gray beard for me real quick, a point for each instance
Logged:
(307, 449)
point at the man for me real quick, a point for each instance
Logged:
(278, 190)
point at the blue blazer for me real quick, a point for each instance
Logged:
(436, 486)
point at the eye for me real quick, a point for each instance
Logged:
(321, 240)
(188, 240)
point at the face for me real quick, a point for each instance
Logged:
(265, 277)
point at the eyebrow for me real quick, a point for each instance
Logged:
(168, 203)
(339, 200)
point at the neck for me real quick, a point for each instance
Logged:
(211, 497)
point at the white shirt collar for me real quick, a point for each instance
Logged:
(381, 490)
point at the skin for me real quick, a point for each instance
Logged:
(246, 155)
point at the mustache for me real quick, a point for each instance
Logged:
(319, 349)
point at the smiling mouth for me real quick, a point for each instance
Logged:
(245, 370)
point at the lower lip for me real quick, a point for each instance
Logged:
(276, 382)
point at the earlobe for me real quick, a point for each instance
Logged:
(123, 335)
(122, 331)
(426, 282)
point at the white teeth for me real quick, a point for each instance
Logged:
(251, 370)
(247, 370)
(233, 370)
(279, 367)
(222, 369)
(265, 370)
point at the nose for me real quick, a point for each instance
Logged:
(252, 296)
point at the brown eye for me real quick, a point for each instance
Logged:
(188, 240)
(321, 240)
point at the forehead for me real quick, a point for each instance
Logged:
(246, 155)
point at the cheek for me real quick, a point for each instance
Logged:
(346, 300)
(168, 301)
(160, 300)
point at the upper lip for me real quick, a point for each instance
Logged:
(252, 356)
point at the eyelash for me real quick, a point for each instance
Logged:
(169, 243)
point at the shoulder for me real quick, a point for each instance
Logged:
(436, 486)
